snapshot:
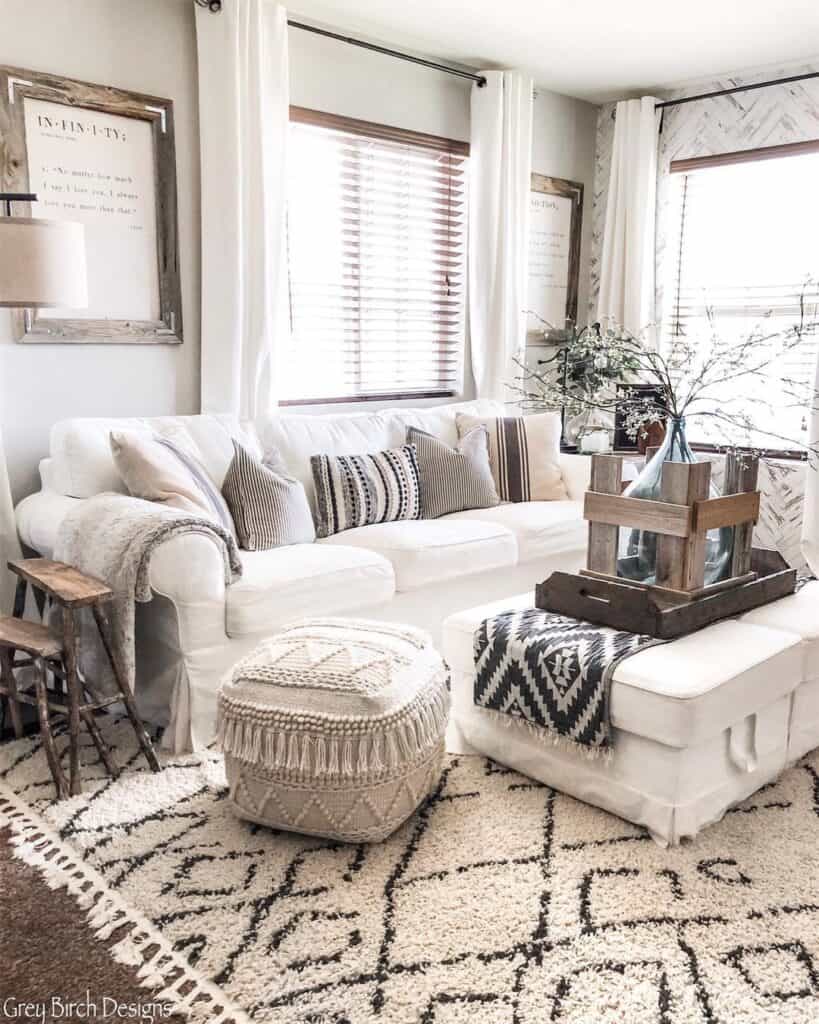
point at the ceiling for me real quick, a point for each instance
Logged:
(594, 49)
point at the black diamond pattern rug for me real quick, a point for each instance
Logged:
(500, 901)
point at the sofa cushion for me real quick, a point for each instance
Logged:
(288, 583)
(298, 437)
(81, 461)
(429, 551)
(680, 693)
(542, 528)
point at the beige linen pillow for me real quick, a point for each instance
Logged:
(524, 453)
(157, 469)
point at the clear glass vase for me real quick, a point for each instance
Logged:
(637, 552)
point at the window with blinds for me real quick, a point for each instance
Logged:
(746, 254)
(376, 249)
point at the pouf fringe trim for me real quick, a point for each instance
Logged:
(159, 966)
(326, 756)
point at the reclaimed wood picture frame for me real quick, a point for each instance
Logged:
(105, 157)
(556, 224)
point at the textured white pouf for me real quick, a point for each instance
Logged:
(335, 727)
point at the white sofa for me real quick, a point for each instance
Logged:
(196, 628)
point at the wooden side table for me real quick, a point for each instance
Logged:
(70, 590)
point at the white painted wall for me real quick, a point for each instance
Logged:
(563, 146)
(147, 46)
(150, 46)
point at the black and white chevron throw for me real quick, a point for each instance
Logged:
(553, 672)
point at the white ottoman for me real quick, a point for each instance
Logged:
(697, 724)
(334, 727)
(799, 615)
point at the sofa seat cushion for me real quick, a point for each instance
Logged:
(680, 693)
(288, 583)
(429, 551)
(798, 613)
(542, 528)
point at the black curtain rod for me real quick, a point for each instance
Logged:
(479, 79)
(737, 88)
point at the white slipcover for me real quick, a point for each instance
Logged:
(542, 528)
(429, 551)
(698, 724)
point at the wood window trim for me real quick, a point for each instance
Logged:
(742, 156)
(399, 136)
(373, 130)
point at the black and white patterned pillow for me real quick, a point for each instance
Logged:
(454, 479)
(359, 490)
(269, 508)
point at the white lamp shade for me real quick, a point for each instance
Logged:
(42, 263)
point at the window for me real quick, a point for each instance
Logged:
(376, 249)
(748, 241)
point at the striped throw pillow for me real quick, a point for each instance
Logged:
(359, 490)
(269, 508)
(453, 479)
(524, 453)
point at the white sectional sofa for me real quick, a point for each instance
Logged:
(420, 572)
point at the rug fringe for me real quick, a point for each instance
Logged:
(184, 988)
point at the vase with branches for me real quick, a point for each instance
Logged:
(725, 383)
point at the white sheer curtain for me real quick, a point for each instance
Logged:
(500, 178)
(9, 542)
(628, 251)
(243, 127)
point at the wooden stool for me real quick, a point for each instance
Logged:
(70, 590)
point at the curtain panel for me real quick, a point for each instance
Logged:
(9, 541)
(628, 251)
(499, 185)
(243, 126)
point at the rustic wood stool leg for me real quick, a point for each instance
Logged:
(128, 699)
(74, 697)
(19, 599)
(102, 747)
(7, 675)
(45, 731)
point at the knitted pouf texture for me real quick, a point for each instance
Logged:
(335, 728)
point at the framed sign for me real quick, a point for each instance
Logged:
(106, 158)
(555, 222)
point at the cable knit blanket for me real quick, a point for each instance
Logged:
(113, 537)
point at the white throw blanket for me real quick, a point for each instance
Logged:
(113, 537)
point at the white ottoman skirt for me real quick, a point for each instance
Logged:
(698, 724)
(335, 727)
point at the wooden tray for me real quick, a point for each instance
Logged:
(623, 604)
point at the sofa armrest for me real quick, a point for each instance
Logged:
(188, 568)
(576, 470)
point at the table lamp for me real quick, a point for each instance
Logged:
(42, 262)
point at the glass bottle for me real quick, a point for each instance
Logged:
(637, 551)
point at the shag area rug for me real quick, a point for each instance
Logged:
(499, 902)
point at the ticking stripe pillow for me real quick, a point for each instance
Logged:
(453, 479)
(269, 508)
(359, 490)
(524, 453)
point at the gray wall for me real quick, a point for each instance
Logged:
(147, 46)
(150, 46)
